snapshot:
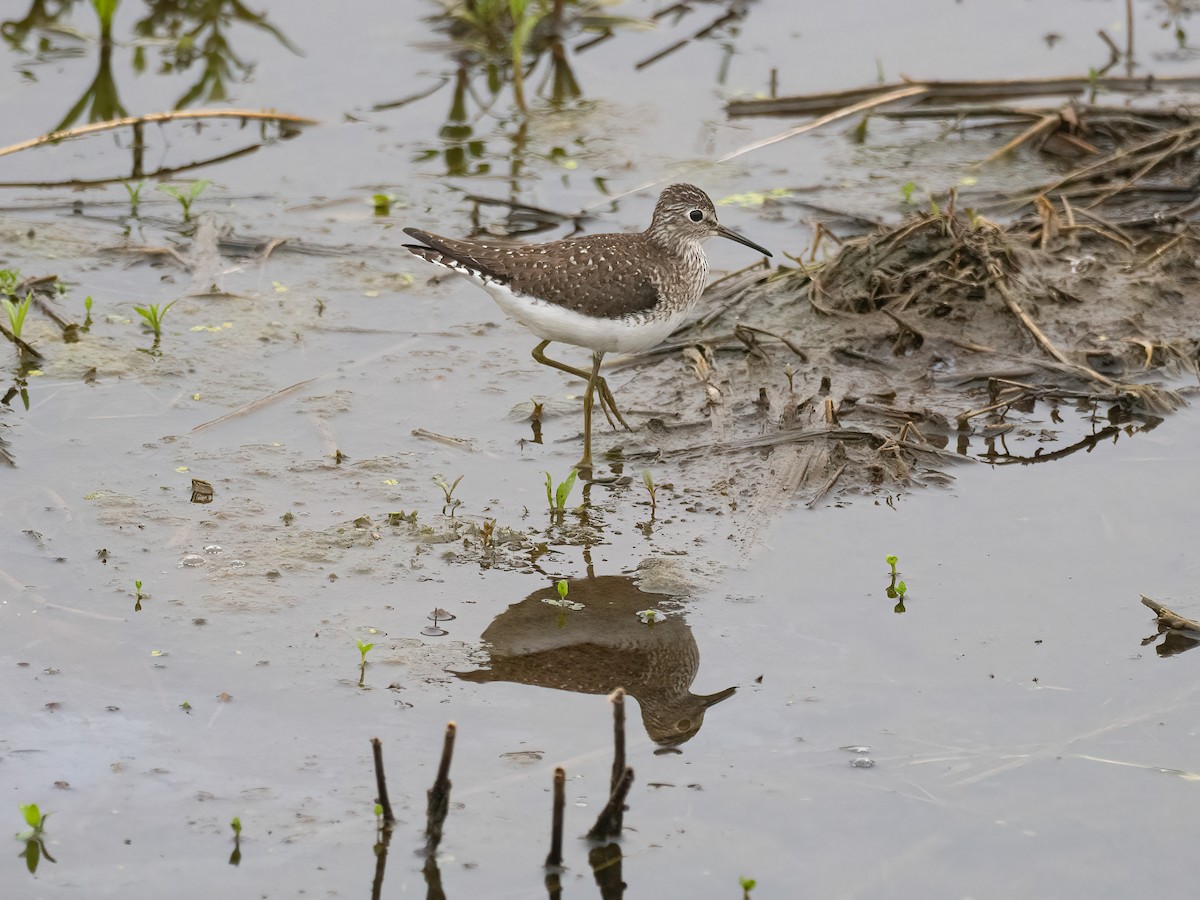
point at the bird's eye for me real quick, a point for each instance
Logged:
(695, 215)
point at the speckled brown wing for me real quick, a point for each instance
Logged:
(597, 275)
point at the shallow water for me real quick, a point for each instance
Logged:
(1023, 739)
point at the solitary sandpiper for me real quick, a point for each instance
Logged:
(607, 292)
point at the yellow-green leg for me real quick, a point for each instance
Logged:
(607, 402)
(585, 464)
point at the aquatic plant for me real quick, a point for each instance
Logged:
(16, 313)
(34, 836)
(153, 316)
(382, 203)
(651, 489)
(10, 280)
(448, 491)
(186, 196)
(135, 194)
(891, 561)
(363, 650)
(747, 885)
(556, 497)
(235, 857)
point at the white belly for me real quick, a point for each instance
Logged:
(552, 322)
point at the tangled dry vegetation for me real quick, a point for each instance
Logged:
(954, 337)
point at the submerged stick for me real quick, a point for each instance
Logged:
(904, 93)
(55, 136)
(381, 784)
(554, 857)
(439, 795)
(617, 698)
(606, 823)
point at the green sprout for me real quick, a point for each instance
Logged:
(186, 196)
(363, 650)
(235, 857)
(651, 489)
(34, 836)
(747, 885)
(562, 604)
(16, 313)
(152, 315)
(10, 280)
(87, 309)
(448, 490)
(557, 496)
(186, 707)
(34, 818)
(383, 203)
(906, 191)
(790, 374)
(135, 194)
(895, 591)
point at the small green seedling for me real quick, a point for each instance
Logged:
(562, 604)
(906, 191)
(87, 309)
(363, 650)
(10, 280)
(891, 561)
(186, 707)
(153, 315)
(135, 194)
(747, 885)
(186, 196)
(448, 490)
(557, 496)
(34, 818)
(648, 616)
(16, 313)
(34, 836)
(383, 203)
(902, 589)
(790, 374)
(651, 489)
(236, 856)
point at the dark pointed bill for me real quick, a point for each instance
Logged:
(734, 236)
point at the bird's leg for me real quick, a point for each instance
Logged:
(585, 464)
(607, 402)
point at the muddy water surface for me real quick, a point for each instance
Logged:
(1008, 734)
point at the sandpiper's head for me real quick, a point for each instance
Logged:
(685, 216)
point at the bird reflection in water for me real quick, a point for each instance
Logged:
(604, 645)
